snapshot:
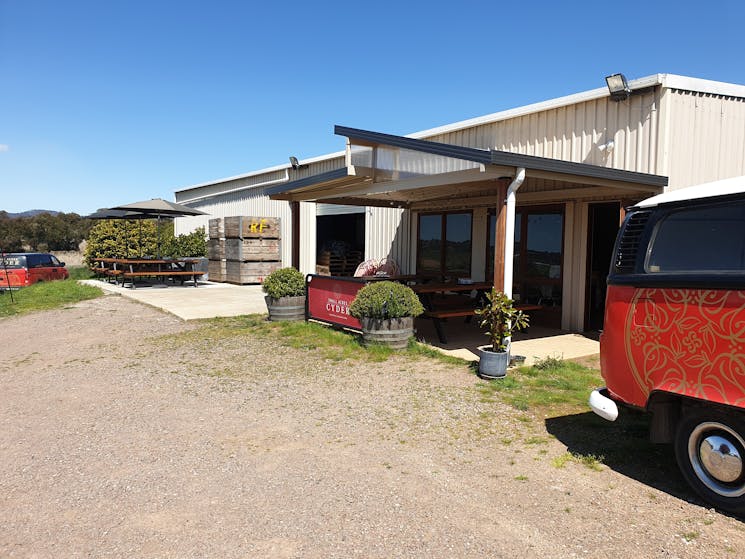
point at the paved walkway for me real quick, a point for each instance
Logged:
(211, 300)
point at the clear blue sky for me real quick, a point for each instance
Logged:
(109, 102)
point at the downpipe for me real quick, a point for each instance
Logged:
(509, 237)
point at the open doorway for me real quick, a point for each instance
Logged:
(340, 240)
(603, 223)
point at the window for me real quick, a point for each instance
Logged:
(707, 239)
(537, 261)
(444, 244)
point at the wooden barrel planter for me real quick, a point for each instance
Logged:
(393, 332)
(286, 308)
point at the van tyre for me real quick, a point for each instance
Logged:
(710, 450)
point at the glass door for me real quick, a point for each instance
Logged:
(538, 260)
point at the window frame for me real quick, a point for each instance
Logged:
(443, 271)
(519, 273)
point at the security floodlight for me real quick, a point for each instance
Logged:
(618, 87)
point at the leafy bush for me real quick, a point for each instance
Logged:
(120, 238)
(500, 318)
(385, 299)
(193, 244)
(285, 282)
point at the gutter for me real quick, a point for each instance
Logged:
(285, 179)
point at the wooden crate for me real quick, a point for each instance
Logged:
(255, 250)
(216, 249)
(246, 227)
(216, 270)
(249, 272)
(217, 228)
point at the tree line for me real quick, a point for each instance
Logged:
(42, 232)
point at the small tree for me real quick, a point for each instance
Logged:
(500, 318)
(119, 238)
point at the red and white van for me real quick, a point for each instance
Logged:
(673, 340)
(22, 269)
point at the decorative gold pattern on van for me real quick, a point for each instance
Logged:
(688, 341)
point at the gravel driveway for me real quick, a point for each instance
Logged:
(125, 434)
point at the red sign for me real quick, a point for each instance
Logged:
(329, 299)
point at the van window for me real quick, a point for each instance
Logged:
(13, 261)
(704, 239)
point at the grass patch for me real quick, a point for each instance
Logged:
(47, 295)
(589, 461)
(551, 386)
(330, 343)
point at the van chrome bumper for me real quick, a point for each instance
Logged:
(602, 405)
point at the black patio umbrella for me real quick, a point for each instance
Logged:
(157, 207)
(160, 207)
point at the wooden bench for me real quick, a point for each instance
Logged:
(108, 273)
(441, 315)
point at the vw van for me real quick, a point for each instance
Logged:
(673, 339)
(26, 268)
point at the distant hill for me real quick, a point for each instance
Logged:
(31, 213)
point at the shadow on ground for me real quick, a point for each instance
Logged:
(625, 448)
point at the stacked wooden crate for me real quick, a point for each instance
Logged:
(216, 250)
(252, 248)
(337, 264)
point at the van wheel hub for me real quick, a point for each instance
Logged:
(716, 454)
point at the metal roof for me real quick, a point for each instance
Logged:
(357, 186)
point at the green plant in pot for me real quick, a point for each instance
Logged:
(386, 310)
(499, 317)
(285, 294)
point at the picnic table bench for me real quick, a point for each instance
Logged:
(128, 268)
(453, 306)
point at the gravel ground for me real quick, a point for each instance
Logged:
(125, 434)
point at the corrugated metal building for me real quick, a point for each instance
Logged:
(686, 129)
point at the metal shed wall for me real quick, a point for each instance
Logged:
(705, 137)
(245, 195)
(246, 202)
(387, 233)
(574, 133)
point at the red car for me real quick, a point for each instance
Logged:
(26, 268)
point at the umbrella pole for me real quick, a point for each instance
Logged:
(7, 278)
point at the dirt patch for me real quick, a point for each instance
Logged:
(125, 434)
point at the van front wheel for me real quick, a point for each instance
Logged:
(710, 450)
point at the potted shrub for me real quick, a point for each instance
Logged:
(499, 318)
(285, 294)
(386, 310)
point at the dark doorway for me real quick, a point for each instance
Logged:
(341, 243)
(602, 228)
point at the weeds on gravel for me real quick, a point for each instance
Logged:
(48, 295)
(589, 461)
(552, 386)
(330, 343)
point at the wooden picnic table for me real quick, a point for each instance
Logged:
(443, 300)
(163, 268)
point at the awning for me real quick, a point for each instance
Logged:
(388, 170)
